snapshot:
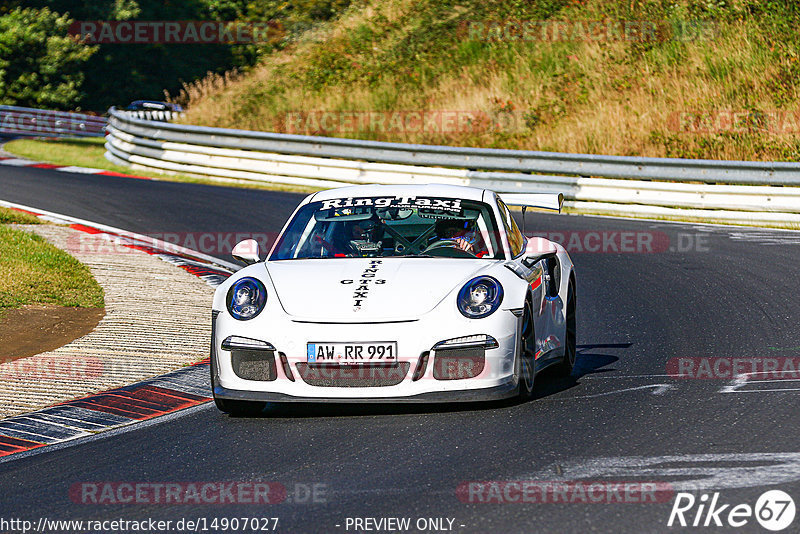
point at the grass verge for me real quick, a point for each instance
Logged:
(89, 152)
(9, 216)
(32, 271)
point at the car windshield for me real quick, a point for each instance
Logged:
(390, 226)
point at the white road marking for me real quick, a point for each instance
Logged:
(79, 170)
(735, 384)
(768, 390)
(743, 380)
(658, 389)
(17, 162)
(700, 226)
(766, 238)
(753, 470)
(593, 377)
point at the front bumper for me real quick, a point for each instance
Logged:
(504, 391)
(415, 341)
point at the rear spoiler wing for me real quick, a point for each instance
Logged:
(548, 201)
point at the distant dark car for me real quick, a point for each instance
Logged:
(154, 110)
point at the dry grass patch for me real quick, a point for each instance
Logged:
(612, 97)
(11, 216)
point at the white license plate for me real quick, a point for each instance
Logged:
(350, 353)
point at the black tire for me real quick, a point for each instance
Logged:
(527, 351)
(570, 348)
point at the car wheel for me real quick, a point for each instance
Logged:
(527, 350)
(570, 351)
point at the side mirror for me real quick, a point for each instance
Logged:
(246, 252)
(538, 249)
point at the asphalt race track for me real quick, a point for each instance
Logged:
(680, 291)
(147, 206)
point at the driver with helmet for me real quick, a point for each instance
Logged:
(460, 233)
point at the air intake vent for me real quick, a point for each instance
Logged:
(214, 314)
(353, 376)
(422, 365)
(254, 364)
(457, 364)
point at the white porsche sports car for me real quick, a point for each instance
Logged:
(409, 293)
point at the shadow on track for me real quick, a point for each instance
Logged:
(547, 383)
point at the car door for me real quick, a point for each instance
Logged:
(544, 280)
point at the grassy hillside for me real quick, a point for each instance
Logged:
(734, 64)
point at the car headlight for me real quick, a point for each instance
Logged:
(246, 298)
(480, 297)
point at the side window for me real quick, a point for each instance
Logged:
(515, 238)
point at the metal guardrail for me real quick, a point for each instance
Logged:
(754, 192)
(30, 122)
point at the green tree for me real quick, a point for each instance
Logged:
(119, 73)
(40, 64)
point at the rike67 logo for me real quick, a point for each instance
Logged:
(774, 510)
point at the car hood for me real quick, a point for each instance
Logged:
(366, 290)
